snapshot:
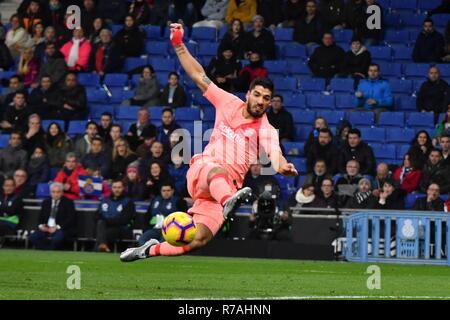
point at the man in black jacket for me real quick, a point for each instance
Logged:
(332, 12)
(326, 60)
(11, 208)
(57, 220)
(432, 202)
(97, 157)
(134, 135)
(323, 148)
(73, 103)
(16, 115)
(173, 94)
(44, 99)
(327, 198)
(435, 171)
(106, 56)
(434, 93)
(53, 64)
(354, 14)
(114, 216)
(356, 149)
(260, 39)
(34, 135)
(317, 175)
(281, 119)
(309, 28)
(429, 45)
(357, 60)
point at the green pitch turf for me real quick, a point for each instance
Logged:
(42, 275)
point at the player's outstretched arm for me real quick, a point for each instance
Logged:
(282, 166)
(191, 66)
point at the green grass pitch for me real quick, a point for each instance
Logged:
(42, 275)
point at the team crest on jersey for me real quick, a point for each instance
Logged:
(156, 204)
(169, 206)
(105, 207)
(120, 208)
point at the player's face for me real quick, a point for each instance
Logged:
(258, 100)
(117, 189)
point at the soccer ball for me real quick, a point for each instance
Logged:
(179, 229)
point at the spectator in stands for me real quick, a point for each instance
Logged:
(114, 215)
(82, 145)
(13, 157)
(391, 197)
(184, 12)
(16, 115)
(444, 143)
(281, 119)
(357, 60)
(52, 64)
(96, 157)
(178, 171)
(37, 37)
(11, 209)
(435, 171)
(432, 202)
(319, 123)
(88, 15)
(134, 187)
(244, 10)
(444, 7)
(49, 37)
(326, 60)
(362, 197)
(408, 175)
(156, 174)
(140, 11)
(156, 152)
(34, 135)
(106, 121)
(347, 184)
(159, 12)
(342, 129)
(374, 93)
(6, 60)
(28, 68)
(332, 13)
(224, 69)
(73, 103)
(160, 207)
(309, 29)
(259, 182)
(57, 144)
(420, 148)
(234, 39)
(214, 12)
(68, 176)
(327, 198)
(429, 46)
(57, 220)
(372, 36)
(38, 169)
(317, 175)
(382, 174)
(271, 11)
(34, 15)
(130, 39)
(15, 85)
(356, 149)
(255, 69)
(303, 198)
(16, 37)
(168, 125)
(323, 148)
(21, 178)
(114, 135)
(106, 56)
(76, 52)
(173, 94)
(147, 90)
(434, 94)
(355, 14)
(259, 39)
(56, 16)
(144, 150)
(113, 11)
(443, 126)
(122, 156)
(292, 11)
(134, 135)
(97, 26)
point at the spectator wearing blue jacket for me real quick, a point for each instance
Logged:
(374, 94)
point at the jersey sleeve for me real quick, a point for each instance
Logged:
(219, 98)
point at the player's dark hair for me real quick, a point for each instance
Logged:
(263, 82)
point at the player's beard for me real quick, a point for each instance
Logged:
(252, 113)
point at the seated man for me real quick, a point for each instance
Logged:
(163, 205)
(356, 149)
(429, 45)
(281, 119)
(326, 60)
(83, 143)
(106, 122)
(113, 217)
(260, 183)
(13, 157)
(11, 208)
(57, 220)
(323, 148)
(97, 158)
(374, 94)
(134, 135)
(328, 198)
(432, 202)
(68, 176)
(44, 99)
(434, 94)
(347, 184)
(16, 115)
(435, 171)
(317, 175)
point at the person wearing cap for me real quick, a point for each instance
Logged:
(243, 10)
(134, 186)
(224, 69)
(434, 94)
(391, 197)
(356, 60)
(260, 39)
(362, 196)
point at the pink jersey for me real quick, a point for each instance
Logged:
(235, 142)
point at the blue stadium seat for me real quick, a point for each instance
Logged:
(204, 34)
(156, 48)
(6, 74)
(153, 32)
(187, 114)
(88, 79)
(361, 118)
(345, 101)
(416, 70)
(135, 80)
(342, 35)
(4, 140)
(167, 34)
(294, 51)
(373, 134)
(160, 64)
(294, 148)
(402, 149)
(299, 163)
(392, 19)
(303, 117)
(299, 69)
(116, 79)
(126, 125)
(381, 53)
(342, 84)
(133, 63)
(156, 112)
(412, 20)
(440, 20)
(428, 4)
(283, 34)
(162, 77)
(208, 49)
(118, 95)
(302, 133)
(223, 31)
(200, 100)
(76, 127)
(401, 86)
(420, 120)
(384, 3)
(391, 69)
(417, 84)
(294, 101)
(276, 66)
(384, 151)
(332, 117)
(209, 114)
(191, 46)
(441, 117)
(313, 84)
(320, 101)
(405, 103)
(399, 135)
(410, 5)
(285, 84)
(96, 95)
(444, 69)
(397, 36)
(95, 112)
(46, 123)
(391, 119)
(126, 112)
(402, 53)
(43, 191)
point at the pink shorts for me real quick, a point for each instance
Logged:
(206, 210)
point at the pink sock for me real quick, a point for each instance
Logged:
(166, 249)
(220, 188)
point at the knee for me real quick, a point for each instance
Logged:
(214, 172)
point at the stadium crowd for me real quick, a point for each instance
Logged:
(47, 90)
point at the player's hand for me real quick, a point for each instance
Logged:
(176, 34)
(288, 170)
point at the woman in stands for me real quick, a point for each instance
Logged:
(130, 39)
(147, 90)
(408, 175)
(57, 144)
(342, 129)
(38, 169)
(157, 174)
(28, 68)
(420, 148)
(122, 156)
(16, 37)
(234, 38)
(99, 24)
(319, 123)
(37, 37)
(304, 198)
(390, 198)
(443, 126)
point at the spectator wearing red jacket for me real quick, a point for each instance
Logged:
(76, 51)
(408, 175)
(68, 176)
(250, 72)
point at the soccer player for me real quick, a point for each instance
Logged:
(214, 176)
